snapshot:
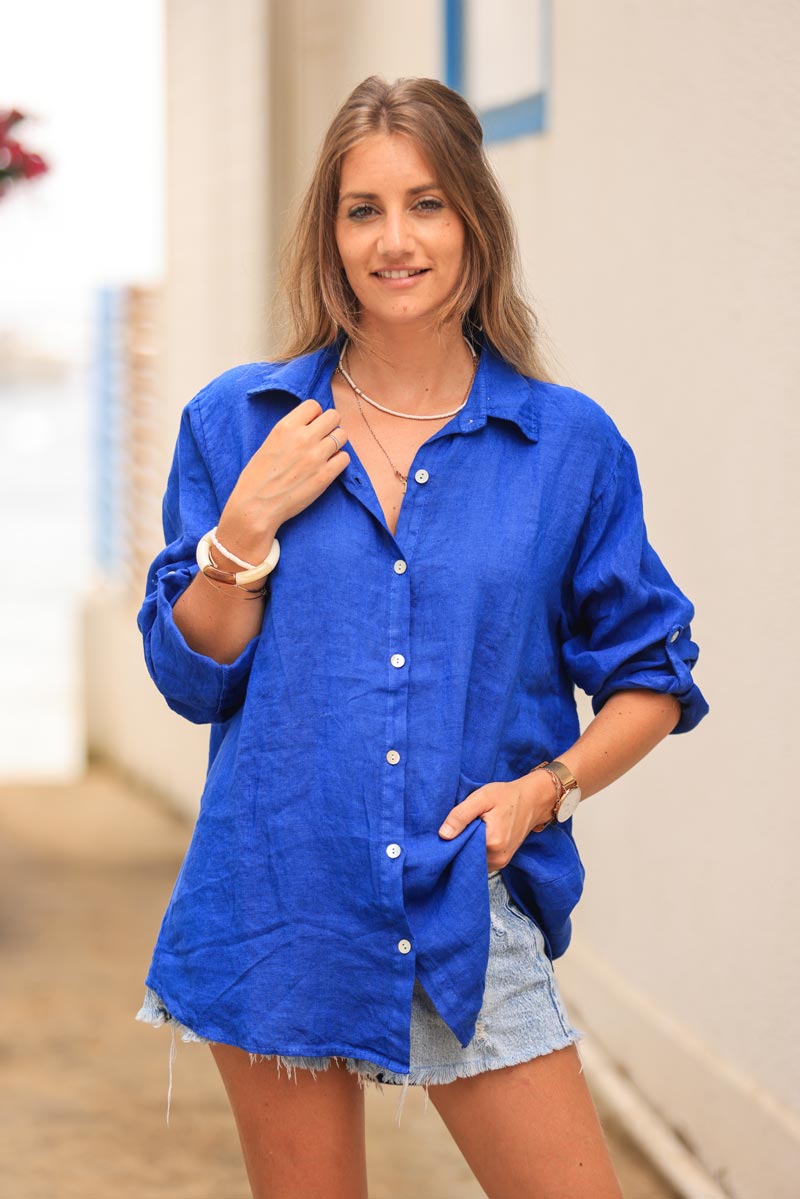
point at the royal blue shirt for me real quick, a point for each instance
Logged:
(391, 677)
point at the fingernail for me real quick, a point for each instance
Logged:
(446, 830)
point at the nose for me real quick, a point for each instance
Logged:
(395, 239)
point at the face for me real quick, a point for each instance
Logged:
(401, 242)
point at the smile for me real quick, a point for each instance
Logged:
(406, 274)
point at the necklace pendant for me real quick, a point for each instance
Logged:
(403, 479)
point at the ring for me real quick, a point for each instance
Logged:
(336, 441)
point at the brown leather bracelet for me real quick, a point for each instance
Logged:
(234, 588)
(214, 572)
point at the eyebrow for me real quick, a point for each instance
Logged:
(412, 191)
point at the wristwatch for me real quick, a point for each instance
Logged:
(569, 792)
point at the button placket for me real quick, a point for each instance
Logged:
(397, 631)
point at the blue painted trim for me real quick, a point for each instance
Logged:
(528, 115)
(454, 44)
(507, 121)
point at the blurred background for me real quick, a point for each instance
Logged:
(151, 155)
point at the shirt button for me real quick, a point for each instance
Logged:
(392, 757)
(393, 850)
(400, 567)
(674, 636)
(421, 476)
(398, 660)
(404, 946)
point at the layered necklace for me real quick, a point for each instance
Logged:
(360, 395)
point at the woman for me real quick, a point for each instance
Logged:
(383, 868)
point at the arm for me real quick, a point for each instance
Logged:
(200, 637)
(291, 467)
(628, 726)
(625, 640)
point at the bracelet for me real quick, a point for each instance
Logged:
(558, 786)
(251, 575)
(233, 590)
(212, 536)
(237, 586)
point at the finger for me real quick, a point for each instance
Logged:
(336, 464)
(325, 421)
(303, 413)
(334, 441)
(460, 816)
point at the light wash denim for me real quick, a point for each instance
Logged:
(522, 1015)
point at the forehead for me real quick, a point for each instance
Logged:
(381, 157)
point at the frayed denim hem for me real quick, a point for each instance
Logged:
(154, 1012)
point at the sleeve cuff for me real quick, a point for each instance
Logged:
(194, 685)
(674, 677)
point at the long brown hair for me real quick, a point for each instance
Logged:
(489, 296)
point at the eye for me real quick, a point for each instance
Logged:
(430, 204)
(360, 211)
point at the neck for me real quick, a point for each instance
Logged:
(413, 370)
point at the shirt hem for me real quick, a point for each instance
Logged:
(198, 1030)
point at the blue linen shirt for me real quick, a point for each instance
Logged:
(391, 677)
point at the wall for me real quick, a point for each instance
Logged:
(216, 313)
(659, 231)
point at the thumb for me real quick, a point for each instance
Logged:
(459, 817)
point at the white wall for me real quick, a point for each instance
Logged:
(659, 228)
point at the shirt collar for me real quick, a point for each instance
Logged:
(499, 390)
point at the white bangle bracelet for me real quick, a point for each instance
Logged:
(239, 561)
(243, 576)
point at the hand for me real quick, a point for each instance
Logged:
(294, 464)
(510, 811)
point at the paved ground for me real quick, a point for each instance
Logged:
(85, 873)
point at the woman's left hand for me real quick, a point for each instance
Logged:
(510, 811)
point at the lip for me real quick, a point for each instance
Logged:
(410, 281)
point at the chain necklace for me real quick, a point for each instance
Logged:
(403, 478)
(408, 415)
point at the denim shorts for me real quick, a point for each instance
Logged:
(522, 1015)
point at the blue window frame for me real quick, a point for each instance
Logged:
(511, 103)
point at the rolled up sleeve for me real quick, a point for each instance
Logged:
(195, 686)
(627, 623)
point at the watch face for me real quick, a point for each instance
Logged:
(569, 803)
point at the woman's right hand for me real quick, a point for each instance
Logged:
(292, 466)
